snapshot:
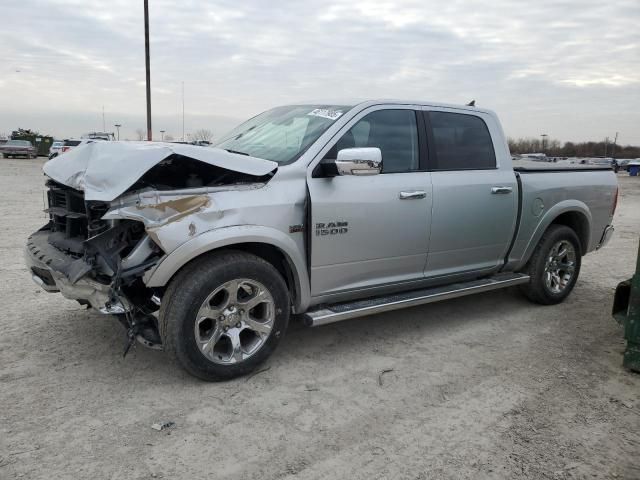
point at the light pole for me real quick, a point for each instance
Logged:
(544, 138)
(183, 111)
(162, 134)
(148, 67)
(117, 125)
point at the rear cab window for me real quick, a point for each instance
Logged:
(460, 142)
(71, 143)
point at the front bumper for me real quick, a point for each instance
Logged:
(26, 153)
(606, 236)
(55, 271)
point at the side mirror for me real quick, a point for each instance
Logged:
(359, 161)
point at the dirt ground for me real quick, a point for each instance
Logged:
(488, 386)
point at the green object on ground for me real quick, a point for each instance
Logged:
(41, 142)
(626, 310)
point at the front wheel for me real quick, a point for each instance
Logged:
(554, 266)
(224, 314)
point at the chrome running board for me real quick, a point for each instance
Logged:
(344, 311)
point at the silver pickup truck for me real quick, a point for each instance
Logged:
(325, 211)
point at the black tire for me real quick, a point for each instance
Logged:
(191, 287)
(537, 290)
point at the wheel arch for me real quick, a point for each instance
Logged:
(579, 223)
(269, 244)
(571, 213)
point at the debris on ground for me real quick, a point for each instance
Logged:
(251, 375)
(386, 370)
(162, 425)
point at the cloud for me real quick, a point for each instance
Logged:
(534, 62)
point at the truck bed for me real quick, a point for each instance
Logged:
(584, 194)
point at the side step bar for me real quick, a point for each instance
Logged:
(344, 311)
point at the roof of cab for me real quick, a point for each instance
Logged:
(393, 101)
(425, 103)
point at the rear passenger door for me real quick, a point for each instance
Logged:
(474, 193)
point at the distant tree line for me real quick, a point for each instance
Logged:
(554, 148)
(201, 135)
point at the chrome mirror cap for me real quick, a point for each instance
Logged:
(359, 161)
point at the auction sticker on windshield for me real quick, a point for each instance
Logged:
(326, 113)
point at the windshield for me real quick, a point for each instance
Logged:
(21, 143)
(282, 134)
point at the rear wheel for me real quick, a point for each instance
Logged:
(554, 266)
(224, 315)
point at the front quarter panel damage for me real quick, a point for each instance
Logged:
(163, 212)
(172, 218)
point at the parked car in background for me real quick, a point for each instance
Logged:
(18, 148)
(623, 162)
(55, 149)
(68, 144)
(608, 161)
(72, 143)
(99, 136)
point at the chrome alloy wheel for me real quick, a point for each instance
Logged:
(560, 266)
(234, 321)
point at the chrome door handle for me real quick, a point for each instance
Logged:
(501, 190)
(413, 195)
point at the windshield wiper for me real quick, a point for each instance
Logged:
(237, 152)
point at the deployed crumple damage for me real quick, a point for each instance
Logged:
(170, 218)
(155, 211)
(106, 170)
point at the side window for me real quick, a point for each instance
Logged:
(462, 142)
(394, 132)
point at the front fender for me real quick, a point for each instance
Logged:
(162, 273)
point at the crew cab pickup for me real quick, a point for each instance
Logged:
(325, 211)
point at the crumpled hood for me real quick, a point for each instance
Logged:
(105, 170)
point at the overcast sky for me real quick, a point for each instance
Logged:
(568, 68)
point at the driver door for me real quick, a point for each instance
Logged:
(370, 231)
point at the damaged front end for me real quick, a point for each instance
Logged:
(97, 262)
(106, 230)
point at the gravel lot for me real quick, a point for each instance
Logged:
(488, 386)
